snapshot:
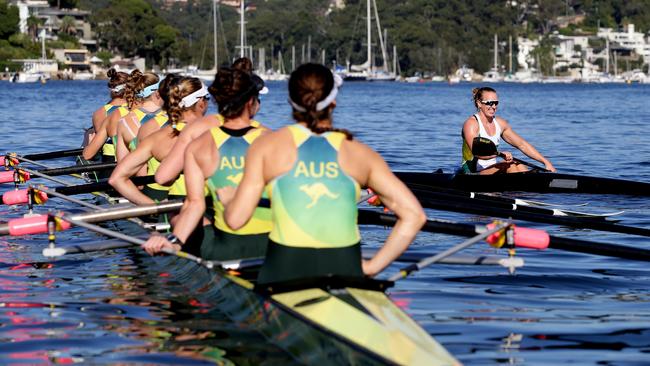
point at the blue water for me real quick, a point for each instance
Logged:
(560, 308)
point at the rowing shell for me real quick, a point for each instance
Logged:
(528, 182)
(333, 320)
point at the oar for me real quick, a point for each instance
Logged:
(370, 217)
(53, 154)
(54, 252)
(433, 201)
(20, 196)
(502, 202)
(482, 146)
(38, 224)
(7, 176)
(404, 272)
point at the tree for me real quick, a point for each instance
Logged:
(68, 26)
(8, 20)
(33, 23)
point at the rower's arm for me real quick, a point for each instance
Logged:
(240, 208)
(172, 166)
(129, 167)
(398, 198)
(97, 141)
(98, 117)
(198, 165)
(511, 137)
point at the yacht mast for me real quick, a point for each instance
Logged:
(381, 38)
(241, 28)
(496, 40)
(369, 35)
(214, 32)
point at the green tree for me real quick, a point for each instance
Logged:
(33, 23)
(8, 20)
(68, 26)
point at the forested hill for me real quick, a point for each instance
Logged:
(430, 35)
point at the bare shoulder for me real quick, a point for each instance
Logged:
(503, 123)
(202, 142)
(470, 122)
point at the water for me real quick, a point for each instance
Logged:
(562, 307)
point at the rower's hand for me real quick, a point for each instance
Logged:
(506, 155)
(156, 243)
(226, 194)
(367, 268)
(550, 167)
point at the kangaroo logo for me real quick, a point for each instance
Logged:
(316, 191)
(236, 179)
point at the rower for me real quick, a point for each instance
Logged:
(187, 104)
(313, 173)
(105, 136)
(217, 158)
(150, 108)
(117, 85)
(486, 124)
(170, 169)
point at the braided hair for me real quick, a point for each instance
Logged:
(308, 85)
(182, 88)
(137, 82)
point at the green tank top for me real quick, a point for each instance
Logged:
(232, 152)
(153, 164)
(314, 205)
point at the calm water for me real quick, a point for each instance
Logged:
(115, 307)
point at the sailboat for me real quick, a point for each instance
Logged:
(494, 76)
(35, 70)
(367, 71)
(207, 76)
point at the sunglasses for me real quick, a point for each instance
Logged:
(490, 103)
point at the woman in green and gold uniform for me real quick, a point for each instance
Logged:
(312, 173)
(105, 138)
(217, 159)
(187, 104)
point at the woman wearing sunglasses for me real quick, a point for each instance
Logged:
(486, 125)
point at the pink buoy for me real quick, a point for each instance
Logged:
(16, 197)
(2, 160)
(7, 176)
(32, 225)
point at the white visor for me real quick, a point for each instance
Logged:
(190, 100)
(338, 81)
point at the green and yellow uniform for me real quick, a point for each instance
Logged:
(155, 191)
(251, 240)
(314, 208)
(108, 149)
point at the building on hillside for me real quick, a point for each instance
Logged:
(52, 20)
(26, 8)
(73, 60)
(629, 40)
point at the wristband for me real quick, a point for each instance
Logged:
(173, 239)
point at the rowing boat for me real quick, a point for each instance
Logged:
(330, 320)
(542, 182)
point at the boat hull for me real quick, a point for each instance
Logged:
(527, 182)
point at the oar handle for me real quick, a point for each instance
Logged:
(536, 167)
